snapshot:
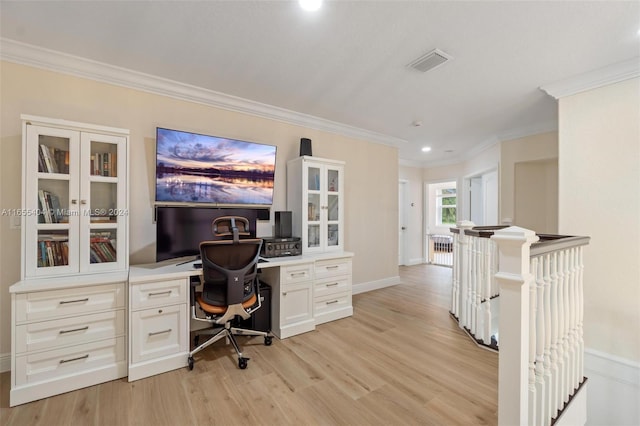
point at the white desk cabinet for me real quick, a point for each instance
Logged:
(305, 291)
(158, 325)
(291, 298)
(66, 334)
(332, 290)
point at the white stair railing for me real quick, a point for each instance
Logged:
(541, 359)
(474, 285)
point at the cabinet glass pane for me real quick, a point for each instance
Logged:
(314, 179)
(332, 208)
(104, 161)
(53, 154)
(313, 239)
(333, 180)
(53, 200)
(103, 246)
(332, 233)
(313, 213)
(53, 248)
(103, 202)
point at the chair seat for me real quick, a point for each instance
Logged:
(219, 310)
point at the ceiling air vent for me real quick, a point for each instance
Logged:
(431, 60)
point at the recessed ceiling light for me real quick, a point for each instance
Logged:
(426, 148)
(310, 5)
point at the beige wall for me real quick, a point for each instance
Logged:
(371, 191)
(536, 195)
(599, 193)
(543, 146)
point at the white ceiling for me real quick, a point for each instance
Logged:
(347, 62)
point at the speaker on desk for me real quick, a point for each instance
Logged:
(283, 225)
(305, 146)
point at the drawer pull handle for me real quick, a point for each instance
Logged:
(332, 302)
(298, 274)
(332, 267)
(332, 284)
(63, 302)
(155, 333)
(62, 361)
(160, 293)
(74, 330)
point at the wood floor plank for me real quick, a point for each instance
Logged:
(400, 360)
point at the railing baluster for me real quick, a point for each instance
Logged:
(533, 308)
(540, 343)
(455, 290)
(555, 406)
(548, 379)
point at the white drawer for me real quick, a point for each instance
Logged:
(158, 332)
(69, 361)
(334, 302)
(332, 267)
(44, 305)
(69, 331)
(331, 285)
(296, 273)
(159, 293)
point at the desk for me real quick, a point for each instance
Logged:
(305, 291)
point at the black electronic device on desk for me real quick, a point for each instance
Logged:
(279, 247)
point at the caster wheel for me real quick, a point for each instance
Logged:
(190, 362)
(268, 340)
(242, 363)
(196, 340)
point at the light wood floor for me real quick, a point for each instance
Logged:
(400, 360)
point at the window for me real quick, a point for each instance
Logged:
(446, 206)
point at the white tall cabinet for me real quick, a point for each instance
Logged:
(315, 195)
(69, 309)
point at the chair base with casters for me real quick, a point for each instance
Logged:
(220, 316)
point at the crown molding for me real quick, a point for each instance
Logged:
(611, 74)
(35, 56)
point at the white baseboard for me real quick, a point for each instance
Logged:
(5, 362)
(418, 261)
(375, 285)
(614, 389)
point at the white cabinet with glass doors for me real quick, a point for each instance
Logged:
(315, 191)
(75, 201)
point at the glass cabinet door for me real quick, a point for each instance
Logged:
(103, 200)
(51, 212)
(333, 207)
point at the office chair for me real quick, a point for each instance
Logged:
(230, 287)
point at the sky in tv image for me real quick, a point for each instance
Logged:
(196, 168)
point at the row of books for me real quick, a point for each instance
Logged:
(101, 249)
(104, 164)
(53, 251)
(53, 160)
(49, 208)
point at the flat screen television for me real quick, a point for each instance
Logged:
(179, 230)
(194, 169)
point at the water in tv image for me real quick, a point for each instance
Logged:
(195, 168)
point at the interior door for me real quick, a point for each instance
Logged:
(402, 222)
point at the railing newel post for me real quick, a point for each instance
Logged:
(514, 278)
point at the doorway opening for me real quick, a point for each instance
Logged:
(442, 214)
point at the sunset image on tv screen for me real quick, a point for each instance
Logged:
(195, 168)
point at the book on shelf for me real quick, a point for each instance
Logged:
(49, 204)
(53, 250)
(53, 160)
(102, 248)
(103, 164)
